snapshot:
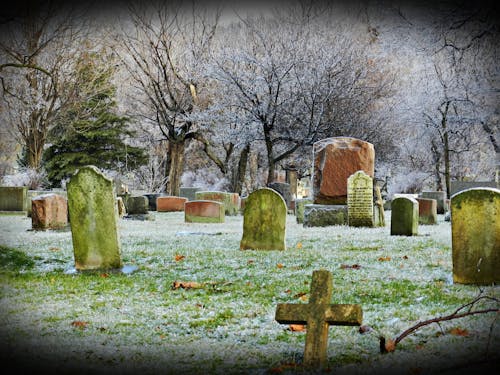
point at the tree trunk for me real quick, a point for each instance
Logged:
(176, 159)
(238, 176)
(447, 172)
(271, 164)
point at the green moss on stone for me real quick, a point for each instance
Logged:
(475, 233)
(264, 221)
(93, 213)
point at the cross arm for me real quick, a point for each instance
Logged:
(344, 315)
(288, 313)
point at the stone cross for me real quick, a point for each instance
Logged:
(319, 314)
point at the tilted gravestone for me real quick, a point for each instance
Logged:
(475, 236)
(404, 216)
(200, 211)
(49, 211)
(264, 221)
(93, 212)
(318, 315)
(360, 200)
(334, 160)
(427, 211)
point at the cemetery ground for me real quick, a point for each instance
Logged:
(198, 304)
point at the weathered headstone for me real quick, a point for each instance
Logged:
(14, 199)
(231, 201)
(475, 236)
(334, 160)
(360, 200)
(439, 196)
(49, 211)
(137, 205)
(200, 211)
(299, 209)
(404, 216)
(93, 212)
(292, 180)
(170, 204)
(264, 221)
(427, 211)
(323, 215)
(318, 315)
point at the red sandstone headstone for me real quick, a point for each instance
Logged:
(204, 211)
(170, 203)
(49, 211)
(334, 160)
(427, 211)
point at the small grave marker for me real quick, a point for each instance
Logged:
(318, 315)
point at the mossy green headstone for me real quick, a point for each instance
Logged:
(264, 221)
(404, 216)
(475, 236)
(13, 198)
(93, 211)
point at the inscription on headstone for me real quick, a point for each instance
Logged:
(360, 200)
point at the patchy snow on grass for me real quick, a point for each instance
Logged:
(107, 322)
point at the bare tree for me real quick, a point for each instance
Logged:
(36, 47)
(164, 52)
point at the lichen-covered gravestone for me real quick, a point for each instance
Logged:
(93, 212)
(231, 201)
(404, 216)
(360, 200)
(475, 236)
(264, 221)
(14, 199)
(319, 314)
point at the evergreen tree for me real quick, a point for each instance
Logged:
(89, 130)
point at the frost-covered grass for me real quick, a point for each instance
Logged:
(137, 323)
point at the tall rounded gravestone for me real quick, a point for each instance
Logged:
(264, 221)
(93, 218)
(475, 236)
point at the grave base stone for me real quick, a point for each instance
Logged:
(322, 215)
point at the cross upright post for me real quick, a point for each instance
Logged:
(318, 315)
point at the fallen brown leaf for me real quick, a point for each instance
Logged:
(459, 332)
(79, 324)
(299, 245)
(179, 257)
(384, 259)
(390, 345)
(297, 327)
(279, 265)
(186, 285)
